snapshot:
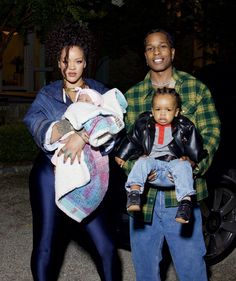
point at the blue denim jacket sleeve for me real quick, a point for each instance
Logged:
(47, 107)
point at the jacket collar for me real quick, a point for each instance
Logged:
(178, 77)
(147, 84)
(55, 89)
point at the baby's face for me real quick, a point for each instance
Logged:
(85, 98)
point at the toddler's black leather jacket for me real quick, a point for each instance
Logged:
(139, 141)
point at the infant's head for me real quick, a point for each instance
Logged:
(90, 96)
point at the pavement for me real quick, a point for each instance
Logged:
(16, 239)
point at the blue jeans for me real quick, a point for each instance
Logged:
(181, 172)
(185, 241)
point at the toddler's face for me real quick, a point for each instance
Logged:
(164, 109)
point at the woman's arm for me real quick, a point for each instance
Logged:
(60, 129)
(73, 144)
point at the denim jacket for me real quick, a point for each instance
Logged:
(49, 107)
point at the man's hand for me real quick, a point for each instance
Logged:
(186, 158)
(152, 176)
(119, 161)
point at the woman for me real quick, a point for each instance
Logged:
(72, 44)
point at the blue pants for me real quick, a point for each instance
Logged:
(52, 229)
(181, 172)
(185, 241)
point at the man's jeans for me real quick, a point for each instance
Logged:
(185, 241)
(180, 171)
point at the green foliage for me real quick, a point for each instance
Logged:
(209, 21)
(205, 22)
(42, 15)
(16, 144)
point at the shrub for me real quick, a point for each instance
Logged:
(16, 144)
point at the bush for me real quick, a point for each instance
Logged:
(16, 144)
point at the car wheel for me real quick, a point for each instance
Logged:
(219, 220)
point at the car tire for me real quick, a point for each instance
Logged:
(219, 219)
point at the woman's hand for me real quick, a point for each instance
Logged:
(73, 147)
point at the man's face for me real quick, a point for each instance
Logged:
(158, 52)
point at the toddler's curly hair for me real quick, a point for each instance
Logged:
(168, 91)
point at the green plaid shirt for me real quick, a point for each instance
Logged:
(198, 106)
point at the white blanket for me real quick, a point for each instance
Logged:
(102, 124)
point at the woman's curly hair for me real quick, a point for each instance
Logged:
(68, 35)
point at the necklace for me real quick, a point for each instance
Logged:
(72, 92)
(161, 84)
(74, 89)
(67, 89)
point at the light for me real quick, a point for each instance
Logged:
(7, 32)
(118, 3)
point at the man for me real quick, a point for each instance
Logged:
(157, 219)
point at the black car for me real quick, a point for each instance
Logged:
(219, 209)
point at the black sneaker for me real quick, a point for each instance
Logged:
(184, 211)
(133, 201)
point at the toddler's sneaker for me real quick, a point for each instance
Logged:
(133, 201)
(184, 211)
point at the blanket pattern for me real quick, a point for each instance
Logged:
(81, 187)
(83, 200)
(102, 128)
